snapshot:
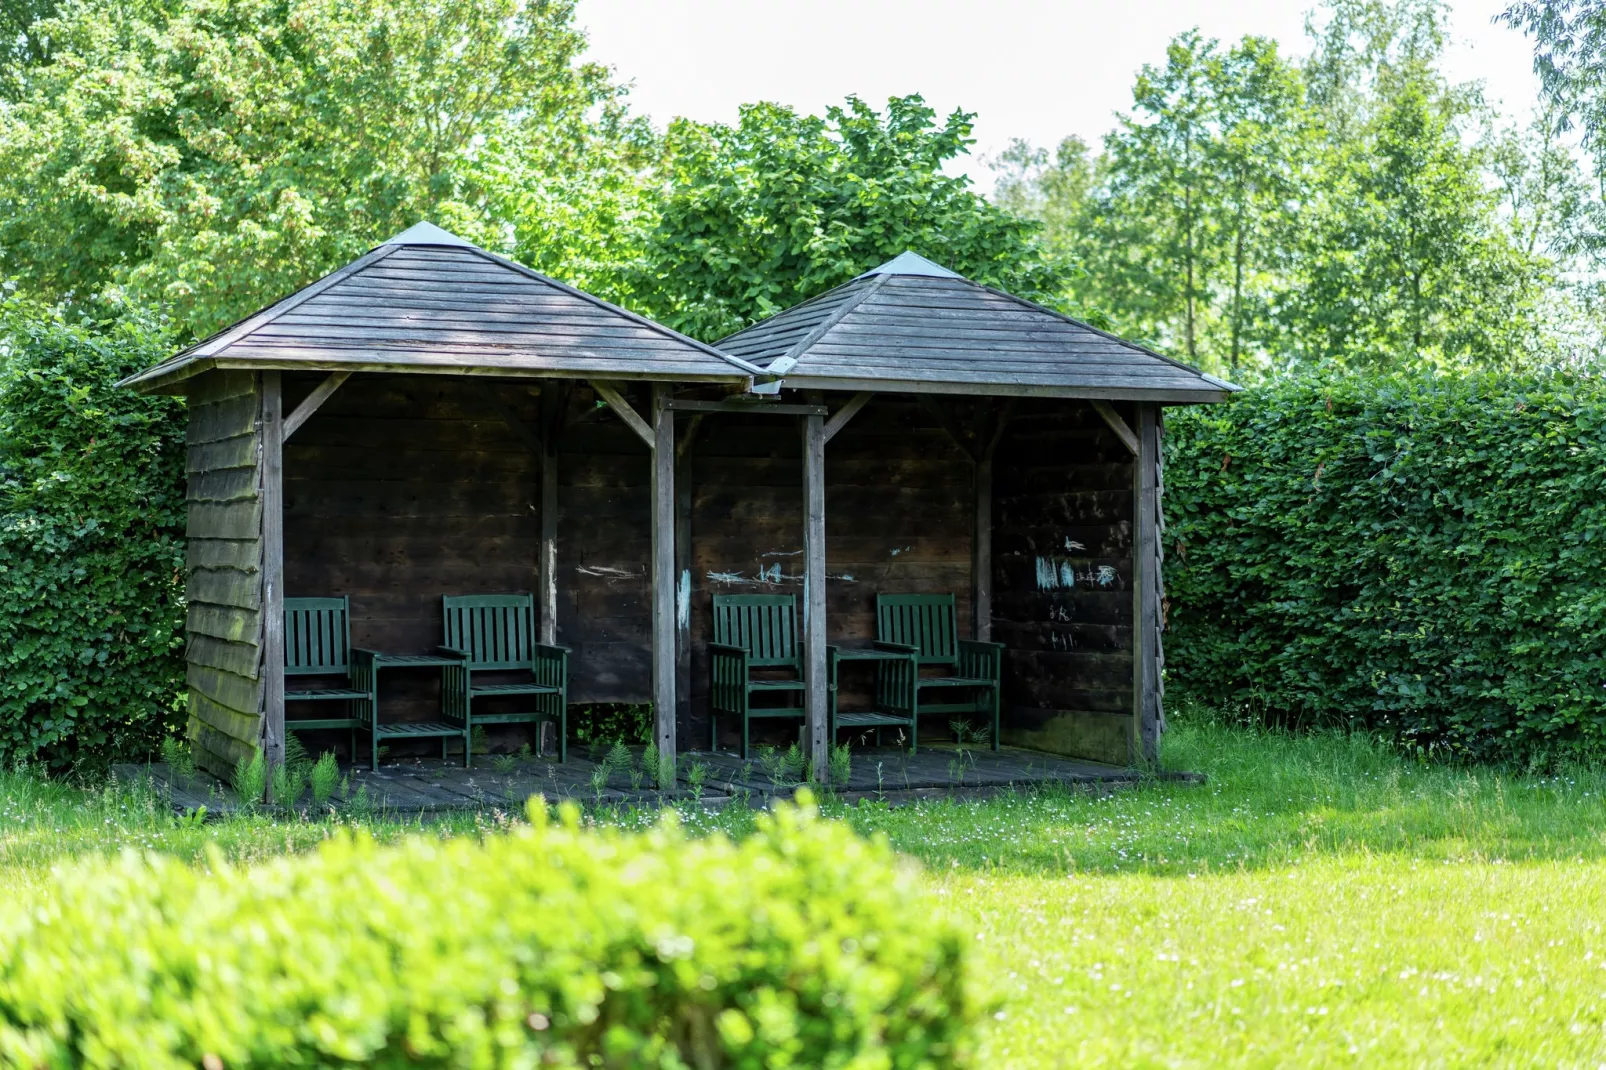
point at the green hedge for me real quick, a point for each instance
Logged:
(91, 539)
(802, 946)
(1425, 556)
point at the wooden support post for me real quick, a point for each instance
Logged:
(271, 445)
(981, 560)
(683, 503)
(815, 685)
(663, 572)
(552, 406)
(1145, 588)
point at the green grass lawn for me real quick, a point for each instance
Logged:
(1319, 901)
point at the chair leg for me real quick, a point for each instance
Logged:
(563, 734)
(744, 735)
(373, 744)
(713, 732)
(996, 705)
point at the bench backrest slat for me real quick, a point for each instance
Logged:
(765, 625)
(317, 636)
(496, 630)
(923, 621)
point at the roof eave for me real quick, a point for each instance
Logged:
(1159, 395)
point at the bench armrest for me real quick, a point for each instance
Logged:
(901, 648)
(727, 651)
(548, 650)
(452, 651)
(980, 660)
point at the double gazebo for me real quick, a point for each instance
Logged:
(436, 419)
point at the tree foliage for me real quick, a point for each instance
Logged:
(757, 217)
(1353, 207)
(213, 155)
(91, 538)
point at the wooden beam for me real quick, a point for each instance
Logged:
(312, 401)
(981, 561)
(747, 408)
(1118, 425)
(271, 469)
(683, 504)
(628, 414)
(663, 572)
(815, 685)
(946, 421)
(531, 440)
(553, 405)
(1145, 588)
(840, 419)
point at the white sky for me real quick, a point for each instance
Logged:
(1028, 68)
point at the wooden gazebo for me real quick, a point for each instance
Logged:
(434, 419)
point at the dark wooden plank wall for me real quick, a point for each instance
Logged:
(223, 579)
(401, 489)
(1062, 565)
(897, 519)
(398, 490)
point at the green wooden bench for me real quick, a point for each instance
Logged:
(495, 633)
(317, 643)
(753, 631)
(895, 671)
(925, 625)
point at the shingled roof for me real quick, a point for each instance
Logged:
(915, 326)
(428, 301)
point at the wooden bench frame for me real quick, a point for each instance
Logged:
(925, 625)
(752, 631)
(496, 633)
(317, 642)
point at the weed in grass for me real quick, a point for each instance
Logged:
(773, 762)
(177, 756)
(324, 779)
(250, 779)
(695, 776)
(525, 754)
(652, 764)
(289, 783)
(841, 765)
(619, 757)
(504, 763)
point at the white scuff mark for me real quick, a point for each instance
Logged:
(896, 550)
(1067, 574)
(781, 553)
(1106, 575)
(605, 571)
(846, 577)
(770, 573)
(1047, 575)
(683, 600)
(728, 577)
(1072, 544)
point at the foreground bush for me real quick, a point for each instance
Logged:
(91, 539)
(1419, 555)
(802, 946)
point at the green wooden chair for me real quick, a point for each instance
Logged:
(317, 644)
(495, 633)
(753, 631)
(925, 625)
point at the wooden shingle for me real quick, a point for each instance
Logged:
(914, 326)
(428, 301)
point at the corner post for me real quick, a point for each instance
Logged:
(663, 572)
(271, 445)
(547, 565)
(815, 685)
(1146, 586)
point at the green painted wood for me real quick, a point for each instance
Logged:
(752, 631)
(496, 633)
(925, 626)
(320, 667)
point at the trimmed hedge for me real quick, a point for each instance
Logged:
(91, 540)
(1420, 555)
(801, 946)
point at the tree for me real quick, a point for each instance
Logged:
(757, 217)
(212, 155)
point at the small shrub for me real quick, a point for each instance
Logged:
(289, 782)
(802, 945)
(176, 754)
(841, 765)
(695, 777)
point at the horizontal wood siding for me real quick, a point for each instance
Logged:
(399, 490)
(223, 570)
(1062, 570)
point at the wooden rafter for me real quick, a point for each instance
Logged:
(1128, 437)
(847, 412)
(313, 401)
(607, 392)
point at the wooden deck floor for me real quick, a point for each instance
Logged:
(886, 773)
